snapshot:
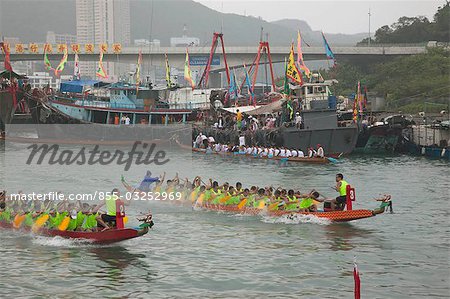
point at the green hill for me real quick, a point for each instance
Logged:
(30, 20)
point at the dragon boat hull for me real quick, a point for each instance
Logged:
(99, 237)
(335, 216)
(314, 160)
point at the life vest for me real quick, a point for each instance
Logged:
(306, 203)
(343, 188)
(111, 205)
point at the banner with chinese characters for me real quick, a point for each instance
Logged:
(89, 48)
(5, 47)
(34, 48)
(117, 48)
(104, 48)
(62, 48)
(19, 48)
(48, 48)
(75, 48)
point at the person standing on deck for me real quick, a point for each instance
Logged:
(238, 119)
(127, 120)
(242, 140)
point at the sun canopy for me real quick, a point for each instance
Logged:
(77, 86)
(243, 109)
(267, 109)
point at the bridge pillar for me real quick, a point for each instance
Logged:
(215, 80)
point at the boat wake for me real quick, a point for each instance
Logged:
(61, 242)
(296, 219)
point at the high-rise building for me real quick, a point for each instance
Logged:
(102, 21)
(54, 38)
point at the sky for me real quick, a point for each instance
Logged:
(330, 16)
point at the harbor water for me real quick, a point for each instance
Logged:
(200, 254)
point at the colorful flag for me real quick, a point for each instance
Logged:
(100, 69)
(300, 62)
(328, 51)
(7, 61)
(138, 71)
(48, 65)
(249, 86)
(357, 280)
(292, 71)
(62, 63)
(76, 68)
(232, 90)
(355, 103)
(169, 82)
(187, 71)
(286, 90)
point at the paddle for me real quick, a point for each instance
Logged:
(261, 205)
(18, 220)
(40, 222)
(333, 160)
(64, 224)
(224, 199)
(242, 203)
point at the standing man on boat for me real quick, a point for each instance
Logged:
(238, 119)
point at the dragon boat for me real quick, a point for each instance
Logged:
(335, 216)
(116, 234)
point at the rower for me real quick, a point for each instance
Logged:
(320, 152)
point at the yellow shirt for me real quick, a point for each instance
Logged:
(239, 116)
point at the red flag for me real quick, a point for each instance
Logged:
(357, 282)
(7, 59)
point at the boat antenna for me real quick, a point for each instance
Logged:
(150, 38)
(368, 41)
(221, 25)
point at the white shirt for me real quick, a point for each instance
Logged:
(294, 153)
(242, 141)
(298, 119)
(255, 151)
(198, 140)
(218, 147)
(264, 152)
(300, 153)
(288, 153)
(249, 151)
(283, 153)
(320, 152)
(277, 151)
(127, 120)
(270, 151)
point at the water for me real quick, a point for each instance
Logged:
(202, 254)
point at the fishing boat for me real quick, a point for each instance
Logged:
(116, 234)
(313, 160)
(93, 101)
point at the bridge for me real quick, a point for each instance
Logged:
(153, 56)
(235, 55)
